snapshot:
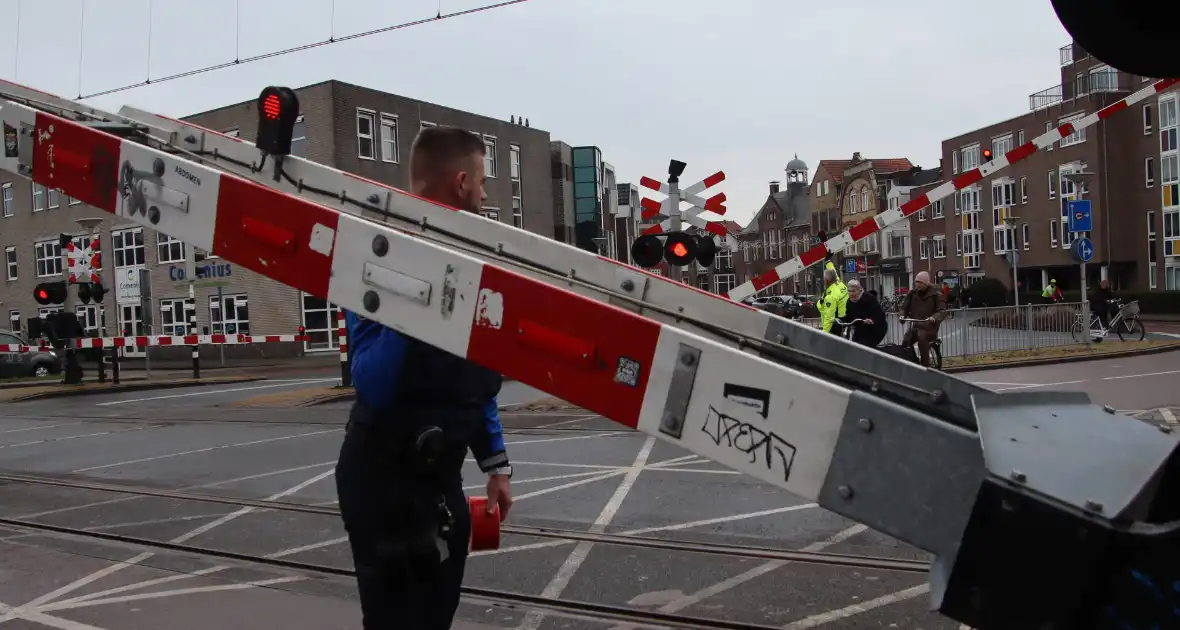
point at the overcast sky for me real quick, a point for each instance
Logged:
(739, 85)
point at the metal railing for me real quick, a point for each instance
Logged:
(971, 331)
(1107, 80)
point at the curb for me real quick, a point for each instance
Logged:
(131, 387)
(1065, 359)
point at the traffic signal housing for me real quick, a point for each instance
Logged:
(278, 107)
(50, 293)
(678, 249)
(91, 292)
(987, 155)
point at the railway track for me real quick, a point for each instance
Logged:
(493, 597)
(738, 551)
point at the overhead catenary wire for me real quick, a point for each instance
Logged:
(332, 39)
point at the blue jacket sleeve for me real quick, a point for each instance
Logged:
(377, 354)
(490, 451)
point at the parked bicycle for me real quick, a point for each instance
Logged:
(1125, 323)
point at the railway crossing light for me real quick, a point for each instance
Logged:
(987, 155)
(821, 237)
(678, 249)
(92, 291)
(50, 293)
(647, 251)
(278, 107)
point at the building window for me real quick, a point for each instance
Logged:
(1052, 185)
(426, 125)
(517, 194)
(703, 282)
(1020, 138)
(233, 132)
(958, 243)
(365, 121)
(54, 198)
(92, 317)
(923, 248)
(299, 137)
(320, 323)
(48, 257)
(1024, 238)
(1001, 145)
(172, 320)
(10, 262)
(724, 258)
(1049, 126)
(1004, 238)
(14, 321)
(168, 249)
(1078, 136)
(936, 209)
(73, 201)
(127, 247)
(724, 282)
(1053, 233)
(954, 161)
(489, 158)
(940, 246)
(38, 197)
(897, 244)
(389, 146)
(1148, 172)
(1147, 119)
(1023, 190)
(6, 188)
(230, 314)
(970, 157)
(491, 213)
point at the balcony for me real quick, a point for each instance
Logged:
(1065, 53)
(1106, 80)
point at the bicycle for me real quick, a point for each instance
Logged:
(1128, 317)
(935, 347)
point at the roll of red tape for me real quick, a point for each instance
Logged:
(485, 527)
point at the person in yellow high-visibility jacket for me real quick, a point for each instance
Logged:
(834, 302)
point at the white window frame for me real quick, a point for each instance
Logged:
(38, 193)
(53, 197)
(970, 157)
(217, 319)
(166, 246)
(515, 173)
(723, 283)
(923, 248)
(14, 321)
(490, 164)
(11, 266)
(47, 258)
(1001, 145)
(1148, 172)
(939, 242)
(1052, 184)
(1147, 126)
(369, 115)
(1023, 190)
(6, 196)
(1020, 138)
(1025, 240)
(390, 151)
(170, 322)
(1078, 136)
(332, 313)
(136, 251)
(936, 210)
(1052, 232)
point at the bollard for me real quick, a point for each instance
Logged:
(190, 305)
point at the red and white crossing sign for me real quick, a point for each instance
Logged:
(669, 209)
(84, 262)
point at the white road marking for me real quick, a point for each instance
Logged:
(716, 589)
(76, 437)
(214, 484)
(1004, 389)
(205, 450)
(175, 592)
(592, 473)
(114, 568)
(574, 561)
(1115, 378)
(986, 383)
(572, 484)
(517, 462)
(658, 528)
(856, 609)
(216, 391)
(568, 438)
(48, 426)
(570, 421)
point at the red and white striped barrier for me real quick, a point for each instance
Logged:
(875, 224)
(160, 340)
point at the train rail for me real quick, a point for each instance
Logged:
(741, 551)
(498, 598)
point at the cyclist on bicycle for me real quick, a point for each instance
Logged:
(924, 302)
(864, 306)
(1100, 303)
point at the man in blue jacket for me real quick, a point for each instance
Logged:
(418, 410)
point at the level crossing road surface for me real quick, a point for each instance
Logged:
(574, 471)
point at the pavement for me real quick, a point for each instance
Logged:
(573, 471)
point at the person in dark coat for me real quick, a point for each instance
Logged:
(862, 305)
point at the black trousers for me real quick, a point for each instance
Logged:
(385, 510)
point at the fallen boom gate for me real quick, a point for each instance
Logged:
(1032, 502)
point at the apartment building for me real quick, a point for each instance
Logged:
(349, 127)
(779, 231)
(1125, 165)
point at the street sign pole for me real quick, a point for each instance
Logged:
(1082, 220)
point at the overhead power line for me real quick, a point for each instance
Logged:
(303, 47)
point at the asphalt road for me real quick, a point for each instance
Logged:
(610, 481)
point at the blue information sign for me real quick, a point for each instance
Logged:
(850, 265)
(1083, 249)
(1080, 219)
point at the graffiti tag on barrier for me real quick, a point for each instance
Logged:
(750, 440)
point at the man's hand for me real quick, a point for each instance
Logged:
(499, 493)
(868, 322)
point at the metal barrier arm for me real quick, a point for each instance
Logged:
(892, 465)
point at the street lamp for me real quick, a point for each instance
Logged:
(1014, 258)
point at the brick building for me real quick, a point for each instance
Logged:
(1126, 166)
(779, 231)
(355, 129)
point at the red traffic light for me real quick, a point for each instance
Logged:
(50, 293)
(271, 107)
(278, 107)
(42, 295)
(680, 249)
(987, 155)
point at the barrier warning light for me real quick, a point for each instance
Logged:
(278, 107)
(987, 155)
(50, 293)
